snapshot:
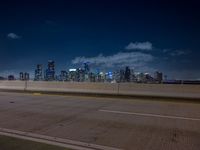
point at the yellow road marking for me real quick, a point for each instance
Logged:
(36, 94)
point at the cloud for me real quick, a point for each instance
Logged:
(139, 46)
(132, 59)
(13, 36)
(166, 50)
(175, 52)
(178, 53)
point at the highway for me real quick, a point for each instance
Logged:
(103, 123)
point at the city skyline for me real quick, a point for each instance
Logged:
(146, 36)
(85, 74)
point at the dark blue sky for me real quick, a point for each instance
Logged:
(147, 36)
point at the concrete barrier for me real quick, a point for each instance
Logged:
(166, 90)
(12, 85)
(99, 88)
(128, 89)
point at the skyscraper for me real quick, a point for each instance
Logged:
(122, 75)
(158, 76)
(127, 74)
(38, 73)
(86, 67)
(21, 76)
(50, 71)
(26, 76)
(63, 75)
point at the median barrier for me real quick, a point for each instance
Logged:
(12, 85)
(115, 89)
(76, 87)
(166, 90)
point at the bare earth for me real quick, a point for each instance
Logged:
(120, 123)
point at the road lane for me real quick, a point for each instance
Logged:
(78, 118)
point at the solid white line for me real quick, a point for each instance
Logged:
(53, 140)
(151, 115)
(44, 141)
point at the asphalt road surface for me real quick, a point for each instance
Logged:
(132, 124)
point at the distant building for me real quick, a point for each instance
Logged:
(158, 76)
(26, 76)
(121, 75)
(72, 74)
(140, 77)
(116, 75)
(92, 77)
(100, 77)
(63, 75)
(2, 78)
(132, 76)
(50, 71)
(38, 73)
(110, 76)
(148, 78)
(11, 77)
(80, 75)
(127, 74)
(86, 68)
(23, 76)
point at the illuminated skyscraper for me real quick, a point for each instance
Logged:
(38, 73)
(86, 67)
(158, 76)
(127, 74)
(63, 76)
(21, 76)
(122, 75)
(26, 76)
(50, 71)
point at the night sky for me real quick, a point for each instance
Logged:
(145, 35)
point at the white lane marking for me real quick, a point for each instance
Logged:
(54, 140)
(150, 115)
